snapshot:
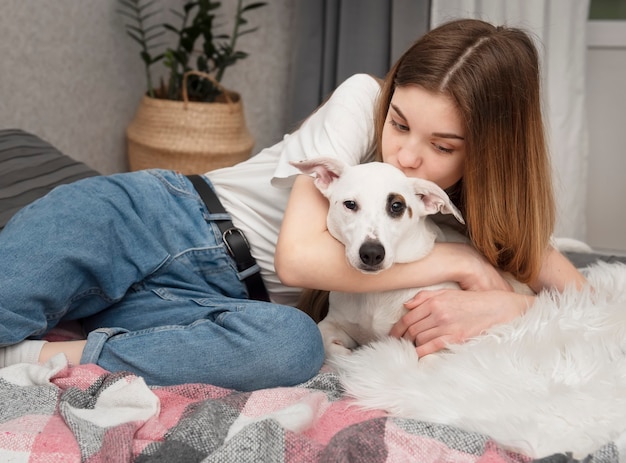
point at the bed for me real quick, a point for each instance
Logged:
(62, 413)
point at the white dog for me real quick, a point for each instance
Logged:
(381, 217)
(551, 381)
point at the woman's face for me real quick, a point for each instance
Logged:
(423, 136)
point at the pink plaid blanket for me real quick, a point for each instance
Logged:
(58, 413)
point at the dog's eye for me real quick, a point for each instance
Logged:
(349, 204)
(397, 207)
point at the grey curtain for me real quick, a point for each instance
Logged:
(337, 38)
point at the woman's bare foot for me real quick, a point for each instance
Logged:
(73, 350)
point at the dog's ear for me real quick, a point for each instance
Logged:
(325, 170)
(435, 199)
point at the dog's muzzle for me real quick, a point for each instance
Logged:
(372, 254)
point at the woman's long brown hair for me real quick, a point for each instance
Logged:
(492, 75)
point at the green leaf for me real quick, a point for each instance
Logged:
(150, 38)
(253, 6)
(248, 31)
(139, 40)
(202, 64)
(130, 5)
(136, 29)
(153, 27)
(189, 6)
(171, 28)
(146, 57)
(147, 5)
(147, 16)
(156, 45)
(157, 58)
(177, 13)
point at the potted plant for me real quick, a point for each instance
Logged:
(188, 122)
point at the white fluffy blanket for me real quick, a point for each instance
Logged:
(553, 379)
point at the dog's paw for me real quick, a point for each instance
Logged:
(336, 348)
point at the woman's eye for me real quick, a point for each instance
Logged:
(349, 204)
(397, 125)
(443, 149)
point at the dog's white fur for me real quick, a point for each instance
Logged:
(552, 381)
(362, 218)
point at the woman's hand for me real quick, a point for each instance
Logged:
(473, 271)
(437, 318)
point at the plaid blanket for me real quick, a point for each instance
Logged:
(58, 413)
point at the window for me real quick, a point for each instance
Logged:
(607, 10)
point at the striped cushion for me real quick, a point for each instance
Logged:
(30, 168)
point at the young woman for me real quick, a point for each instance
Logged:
(142, 263)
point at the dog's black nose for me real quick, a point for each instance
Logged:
(371, 253)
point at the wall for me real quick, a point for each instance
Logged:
(72, 76)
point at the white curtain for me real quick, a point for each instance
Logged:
(559, 27)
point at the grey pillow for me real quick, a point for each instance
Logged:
(29, 168)
(585, 259)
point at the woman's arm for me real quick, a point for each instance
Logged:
(438, 318)
(557, 272)
(308, 256)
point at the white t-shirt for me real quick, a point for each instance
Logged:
(255, 192)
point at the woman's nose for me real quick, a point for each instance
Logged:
(410, 157)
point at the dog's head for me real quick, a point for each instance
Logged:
(377, 212)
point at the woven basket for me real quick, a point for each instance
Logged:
(186, 136)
